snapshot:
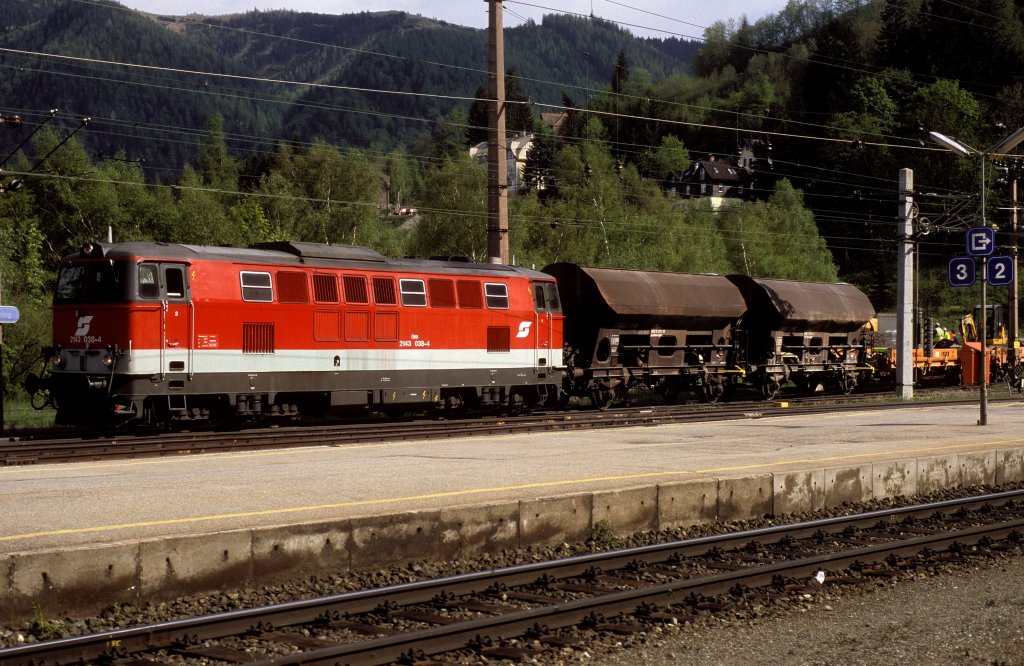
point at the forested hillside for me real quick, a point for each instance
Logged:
(274, 125)
(410, 58)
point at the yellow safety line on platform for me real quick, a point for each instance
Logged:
(480, 491)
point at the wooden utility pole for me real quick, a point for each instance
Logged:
(497, 162)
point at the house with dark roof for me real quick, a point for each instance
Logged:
(720, 179)
(723, 179)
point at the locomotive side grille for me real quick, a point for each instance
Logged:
(442, 293)
(325, 288)
(327, 326)
(499, 339)
(292, 287)
(384, 291)
(470, 294)
(355, 289)
(385, 326)
(257, 337)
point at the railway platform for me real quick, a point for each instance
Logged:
(77, 537)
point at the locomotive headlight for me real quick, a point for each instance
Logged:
(57, 360)
(108, 360)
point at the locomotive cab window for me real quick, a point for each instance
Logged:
(256, 287)
(149, 286)
(496, 296)
(174, 281)
(545, 297)
(162, 281)
(92, 282)
(414, 293)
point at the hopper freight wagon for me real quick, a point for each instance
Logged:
(707, 334)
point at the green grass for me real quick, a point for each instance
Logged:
(20, 415)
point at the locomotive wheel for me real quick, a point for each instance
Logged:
(522, 400)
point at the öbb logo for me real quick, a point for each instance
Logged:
(83, 325)
(524, 329)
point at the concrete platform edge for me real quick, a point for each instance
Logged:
(80, 581)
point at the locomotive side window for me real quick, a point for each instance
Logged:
(442, 293)
(355, 289)
(292, 287)
(384, 291)
(256, 287)
(414, 293)
(148, 285)
(469, 294)
(497, 296)
(325, 288)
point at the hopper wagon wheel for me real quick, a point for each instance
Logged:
(807, 384)
(714, 388)
(847, 383)
(602, 397)
(770, 387)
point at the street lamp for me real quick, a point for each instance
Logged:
(1000, 148)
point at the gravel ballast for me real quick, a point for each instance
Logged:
(965, 617)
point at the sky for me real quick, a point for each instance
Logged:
(646, 18)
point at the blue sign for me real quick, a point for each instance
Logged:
(8, 314)
(962, 272)
(999, 271)
(981, 241)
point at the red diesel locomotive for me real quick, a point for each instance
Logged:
(164, 333)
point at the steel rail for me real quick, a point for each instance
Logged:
(162, 635)
(29, 452)
(445, 638)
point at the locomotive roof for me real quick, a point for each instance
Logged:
(289, 253)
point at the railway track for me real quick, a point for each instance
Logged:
(46, 448)
(519, 611)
